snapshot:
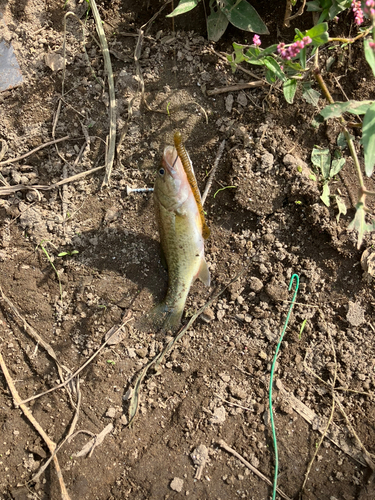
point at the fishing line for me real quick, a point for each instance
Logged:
(295, 278)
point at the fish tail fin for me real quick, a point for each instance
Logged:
(160, 319)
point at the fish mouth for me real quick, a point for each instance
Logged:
(169, 159)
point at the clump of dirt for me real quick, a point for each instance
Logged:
(268, 222)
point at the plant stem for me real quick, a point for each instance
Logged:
(324, 88)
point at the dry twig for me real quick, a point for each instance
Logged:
(51, 445)
(224, 445)
(110, 334)
(213, 171)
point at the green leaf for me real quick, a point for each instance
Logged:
(62, 254)
(338, 6)
(321, 159)
(289, 89)
(359, 223)
(313, 6)
(338, 108)
(336, 166)
(325, 195)
(269, 50)
(217, 23)
(368, 139)
(369, 54)
(341, 141)
(183, 7)
(318, 34)
(341, 206)
(243, 16)
(273, 66)
(310, 95)
(270, 77)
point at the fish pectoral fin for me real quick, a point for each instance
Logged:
(204, 273)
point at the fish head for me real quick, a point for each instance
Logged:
(171, 184)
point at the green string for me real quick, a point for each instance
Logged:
(295, 278)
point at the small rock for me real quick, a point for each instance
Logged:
(356, 315)
(229, 102)
(208, 315)
(124, 419)
(220, 314)
(267, 160)
(177, 484)
(224, 377)
(131, 352)
(111, 412)
(242, 99)
(237, 392)
(255, 284)
(276, 291)
(142, 353)
(219, 415)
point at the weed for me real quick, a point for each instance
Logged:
(222, 189)
(41, 245)
(63, 254)
(295, 63)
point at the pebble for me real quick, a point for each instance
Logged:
(111, 412)
(131, 352)
(219, 415)
(208, 315)
(356, 315)
(220, 314)
(255, 284)
(177, 484)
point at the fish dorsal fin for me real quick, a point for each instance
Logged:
(188, 167)
(204, 273)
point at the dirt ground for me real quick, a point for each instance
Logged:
(271, 223)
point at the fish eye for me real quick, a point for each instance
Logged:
(161, 171)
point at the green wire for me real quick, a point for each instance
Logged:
(296, 278)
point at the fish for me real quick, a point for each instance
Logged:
(181, 236)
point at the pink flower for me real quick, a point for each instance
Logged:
(257, 41)
(372, 46)
(357, 9)
(294, 49)
(369, 8)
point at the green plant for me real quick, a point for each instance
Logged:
(297, 64)
(63, 254)
(321, 159)
(222, 12)
(41, 245)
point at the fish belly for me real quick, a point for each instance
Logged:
(183, 247)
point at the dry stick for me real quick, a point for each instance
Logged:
(55, 141)
(289, 7)
(213, 171)
(68, 436)
(230, 403)
(51, 444)
(329, 420)
(234, 88)
(111, 89)
(368, 456)
(224, 445)
(34, 335)
(20, 187)
(77, 372)
(224, 58)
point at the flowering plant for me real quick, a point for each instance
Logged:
(294, 63)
